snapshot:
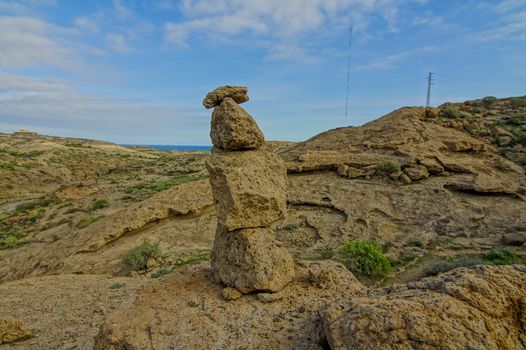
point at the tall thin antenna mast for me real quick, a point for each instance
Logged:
(348, 79)
(429, 83)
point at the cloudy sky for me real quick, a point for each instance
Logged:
(136, 71)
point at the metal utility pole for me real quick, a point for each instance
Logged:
(348, 79)
(429, 83)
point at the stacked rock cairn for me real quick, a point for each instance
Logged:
(249, 189)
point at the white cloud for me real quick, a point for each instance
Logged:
(26, 41)
(87, 24)
(509, 27)
(16, 83)
(121, 12)
(390, 61)
(279, 23)
(118, 43)
(55, 106)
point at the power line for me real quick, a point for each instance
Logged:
(348, 79)
(429, 83)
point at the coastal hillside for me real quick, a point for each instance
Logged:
(436, 189)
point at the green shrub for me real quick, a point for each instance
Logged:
(8, 165)
(147, 189)
(161, 272)
(327, 254)
(497, 256)
(117, 285)
(364, 258)
(518, 102)
(445, 266)
(502, 256)
(489, 101)
(450, 113)
(193, 259)
(100, 204)
(88, 220)
(26, 207)
(387, 167)
(138, 257)
(10, 242)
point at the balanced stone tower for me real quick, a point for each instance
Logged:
(249, 188)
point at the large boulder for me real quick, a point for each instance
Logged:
(187, 310)
(249, 188)
(482, 307)
(233, 128)
(237, 93)
(250, 260)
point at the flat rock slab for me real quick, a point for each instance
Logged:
(237, 93)
(249, 188)
(482, 307)
(232, 128)
(250, 260)
(186, 310)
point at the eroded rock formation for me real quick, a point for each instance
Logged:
(249, 188)
(482, 307)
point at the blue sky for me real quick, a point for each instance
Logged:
(136, 71)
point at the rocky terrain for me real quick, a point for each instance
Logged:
(436, 189)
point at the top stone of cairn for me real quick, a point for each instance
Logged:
(237, 93)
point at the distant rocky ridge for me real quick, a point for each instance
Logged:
(501, 122)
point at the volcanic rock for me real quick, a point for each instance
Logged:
(233, 128)
(161, 317)
(249, 188)
(12, 330)
(417, 172)
(481, 307)
(250, 260)
(236, 93)
(514, 238)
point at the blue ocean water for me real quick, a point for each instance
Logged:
(177, 147)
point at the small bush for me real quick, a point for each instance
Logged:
(445, 266)
(88, 220)
(117, 285)
(10, 242)
(498, 256)
(100, 204)
(193, 259)
(161, 272)
(518, 102)
(8, 166)
(450, 113)
(502, 256)
(387, 167)
(489, 101)
(364, 258)
(327, 254)
(138, 256)
(146, 189)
